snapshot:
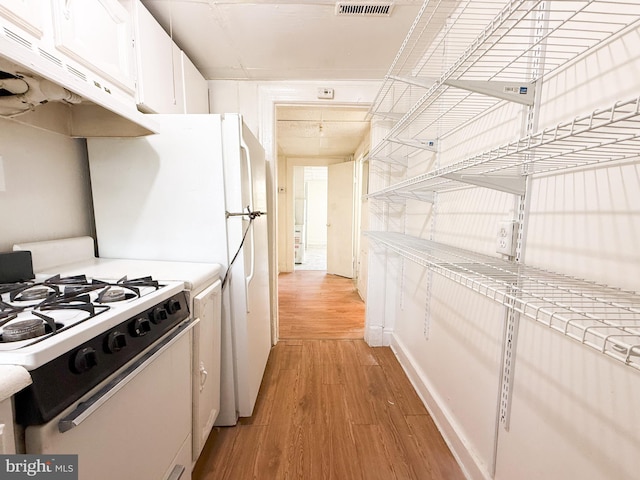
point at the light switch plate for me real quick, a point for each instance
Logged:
(505, 241)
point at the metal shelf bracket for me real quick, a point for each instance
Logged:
(431, 145)
(424, 82)
(515, 184)
(523, 93)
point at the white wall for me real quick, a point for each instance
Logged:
(317, 213)
(574, 411)
(46, 192)
(257, 101)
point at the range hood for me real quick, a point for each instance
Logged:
(21, 92)
(46, 91)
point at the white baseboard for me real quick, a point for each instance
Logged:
(472, 468)
(373, 335)
(387, 337)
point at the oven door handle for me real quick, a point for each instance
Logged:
(93, 403)
(176, 473)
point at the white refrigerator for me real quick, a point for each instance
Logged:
(167, 197)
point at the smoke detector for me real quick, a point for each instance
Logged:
(364, 9)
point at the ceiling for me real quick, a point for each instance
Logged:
(320, 131)
(284, 39)
(265, 40)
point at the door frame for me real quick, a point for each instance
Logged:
(269, 95)
(290, 205)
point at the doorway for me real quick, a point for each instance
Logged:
(310, 213)
(318, 221)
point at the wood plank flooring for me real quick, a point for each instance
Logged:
(330, 407)
(315, 305)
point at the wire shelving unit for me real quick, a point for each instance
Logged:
(505, 51)
(604, 135)
(601, 317)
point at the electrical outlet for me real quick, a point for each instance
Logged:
(505, 241)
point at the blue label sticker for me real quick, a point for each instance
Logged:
(523, 90)
(49, 467)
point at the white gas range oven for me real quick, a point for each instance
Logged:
(125, 364)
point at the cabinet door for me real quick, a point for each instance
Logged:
(27, 14)
(206, 387)
(159, 88)
(196, 88)
(99, 35)
(7, 443)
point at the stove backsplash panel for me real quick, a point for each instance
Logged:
(46, 193)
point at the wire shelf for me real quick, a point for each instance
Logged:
(604, 135)
(525, 41)
(602, 317)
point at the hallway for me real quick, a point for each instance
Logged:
(330, 406)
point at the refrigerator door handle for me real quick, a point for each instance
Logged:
(252, 251)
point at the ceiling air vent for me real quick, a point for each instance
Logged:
(369, 9)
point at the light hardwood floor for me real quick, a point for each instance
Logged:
(330, 408)
(315, 305)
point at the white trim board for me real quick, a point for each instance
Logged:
(471, 466)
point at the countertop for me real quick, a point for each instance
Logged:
(13, 378)
(194, 275)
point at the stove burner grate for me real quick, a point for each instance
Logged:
(10, 287)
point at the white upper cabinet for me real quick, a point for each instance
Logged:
(160, 87)
(98, 34)
(196, 89)
(27, 14)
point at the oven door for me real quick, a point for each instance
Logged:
(131, 428)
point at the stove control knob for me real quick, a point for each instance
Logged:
(140, 327)
(84, 360)
(172, 306)
(158, 315)
(116, 341)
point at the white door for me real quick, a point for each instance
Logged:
(340, 203)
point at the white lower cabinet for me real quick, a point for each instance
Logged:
(7, 442)
(206, 358)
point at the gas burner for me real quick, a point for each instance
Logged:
(114, 294)
(23, 330)
(35, 293)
